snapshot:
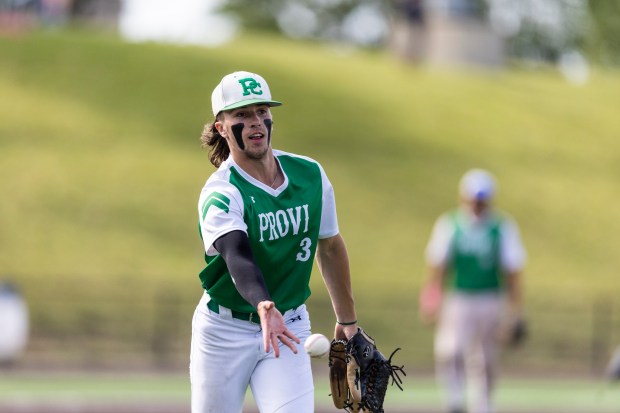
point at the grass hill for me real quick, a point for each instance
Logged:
(101, 170)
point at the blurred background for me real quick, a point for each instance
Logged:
(102, 103)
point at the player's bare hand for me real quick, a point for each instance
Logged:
(274, 329)
(431, 297)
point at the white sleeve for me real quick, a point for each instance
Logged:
(220, 210)
(329, 218)
(438, 246)
(513, 253)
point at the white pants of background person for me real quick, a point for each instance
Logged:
(227, 354)
(466, 349)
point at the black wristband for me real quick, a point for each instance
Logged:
(350, 323)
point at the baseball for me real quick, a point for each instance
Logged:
(317, 345)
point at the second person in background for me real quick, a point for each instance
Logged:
(475, 259)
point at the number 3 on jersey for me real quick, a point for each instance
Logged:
(305, 253)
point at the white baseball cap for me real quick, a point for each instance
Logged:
(240, 89)
(477, 184)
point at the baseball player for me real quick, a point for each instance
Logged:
(475, 257)
(264, 216)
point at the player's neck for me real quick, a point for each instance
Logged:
(265, 169)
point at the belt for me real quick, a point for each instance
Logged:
(251, 317)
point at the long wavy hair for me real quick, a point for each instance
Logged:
(218, 147)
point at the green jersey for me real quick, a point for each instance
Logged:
(283, 226)
(475, 254)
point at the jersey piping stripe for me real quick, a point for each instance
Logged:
(217, 200)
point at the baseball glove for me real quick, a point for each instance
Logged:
(369, 373)
(338, 374)
(515, 333)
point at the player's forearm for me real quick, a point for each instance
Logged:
(515, 292)
(249, 282)
(333, 262)
(436, 274)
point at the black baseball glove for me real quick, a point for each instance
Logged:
(369, 373)
(515, 333)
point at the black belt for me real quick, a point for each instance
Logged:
(251, 317)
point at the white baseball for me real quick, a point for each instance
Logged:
(317, 345)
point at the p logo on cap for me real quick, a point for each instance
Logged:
(240, 89)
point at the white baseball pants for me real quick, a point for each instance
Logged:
(466, 348)
(228, 354)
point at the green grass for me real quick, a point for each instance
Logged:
(420, 393)
(101, 170)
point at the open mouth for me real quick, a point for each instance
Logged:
(256, 136)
